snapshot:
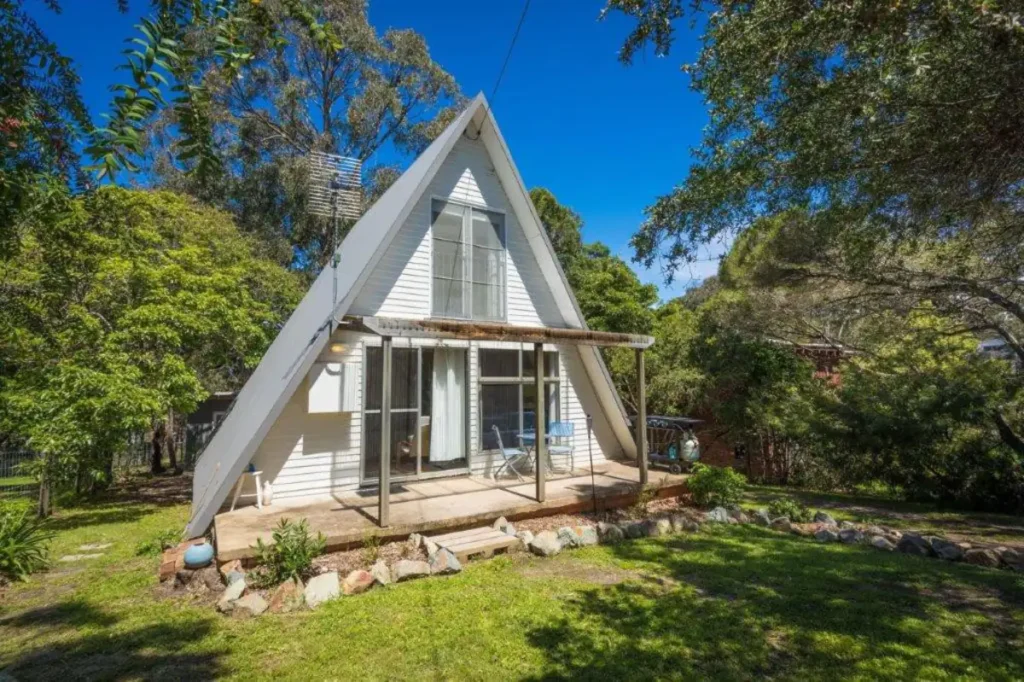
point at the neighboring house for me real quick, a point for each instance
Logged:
(450, 270)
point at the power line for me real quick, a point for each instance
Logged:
(504, 65)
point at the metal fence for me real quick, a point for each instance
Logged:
(15, 481)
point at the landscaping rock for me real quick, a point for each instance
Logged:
(79, 557)
(944, 549)
(233, 566)
(381, 573)
(588, 536)
(635, 530)
(525, 538)
(287, 597)
(183, 578)
(357, 582)
(568, 537)
(545, 543)
(210, 577)
(825, 518)
(510, 530)
(826, 535)
(95, 546)
(658, 527)
(500, 524)
(912, 543)
(1011, 557)
(782, 523)
(444, 563)
(850, 536)
(761, 518)
(415, 540)
(982, 557)
(846, 525)
(322, 588)
(875, 530)
(736, 512)
(234, 576)
(248, 606)
(718, 515)
(804, 530)
(409, 570)
(430, 547)
(609, 533)
(879, 542)
(232, 593)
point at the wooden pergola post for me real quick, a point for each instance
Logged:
(384, 494)
(641, 416)
(541, 448)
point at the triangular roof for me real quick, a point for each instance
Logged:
(307, 331)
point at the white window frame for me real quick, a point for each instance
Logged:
(467, 282)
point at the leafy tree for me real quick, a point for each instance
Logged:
(360, 94)
(122, 307)
(563, 225)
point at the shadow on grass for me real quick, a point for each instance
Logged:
(93, 514)
(92, 650)
(744, 603)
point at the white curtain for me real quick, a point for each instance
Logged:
(448, 411)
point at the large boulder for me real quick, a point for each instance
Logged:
(322, 588)
(825, 518)
(635, 530)
(761, 518)
(444, 563)
(381, 573)
(232, 593)
(880, 542)
(982, 557)
(850, 536)
(248, 606)
(683, 523)
(1013, 558)
(588, 536)
(545, 543)
(287, 597)
(718, 515)
(609, 533)
(826, 535)
(569, 536)
(407, 569)
(782, 523)
(357, 582)
(912, 543)
(944, 549)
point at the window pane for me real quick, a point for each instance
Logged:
(550, 363)
(499, 363)
(404, 373)
(447, 221)
(488, 229)
(488, 302)
(449, 259)
(499, 406)
(448, 298)
(488, 266)
(530, 405)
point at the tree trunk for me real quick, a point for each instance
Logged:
(172, 454)
(43, 509)
(157, 465)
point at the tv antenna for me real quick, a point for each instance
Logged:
(335, 193)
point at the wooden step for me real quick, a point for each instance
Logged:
(477, 543)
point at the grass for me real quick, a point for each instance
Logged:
(730, 602)
(994, 528)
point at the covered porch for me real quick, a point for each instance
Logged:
(439, 505)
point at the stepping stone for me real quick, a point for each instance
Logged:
(95, 546)
(79, 557)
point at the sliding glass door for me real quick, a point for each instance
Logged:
(428, 412)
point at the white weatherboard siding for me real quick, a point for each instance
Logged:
(400, 285)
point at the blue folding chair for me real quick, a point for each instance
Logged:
(509, 454)
(559, 432)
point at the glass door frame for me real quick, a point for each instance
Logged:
(364, 480)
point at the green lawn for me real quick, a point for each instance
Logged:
(926, 518)
(729, 602)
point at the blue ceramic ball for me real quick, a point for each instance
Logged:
(198, 556)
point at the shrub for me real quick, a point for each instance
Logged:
(165, 539)
(291, 555)
(24, 545)
(791, 509)
(715, 486)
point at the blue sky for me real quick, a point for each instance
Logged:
(605, 138)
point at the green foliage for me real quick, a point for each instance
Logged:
(791, 509)
(121, 306)
(165, 539)
(715, 486)
(24, 545)
(290, 555)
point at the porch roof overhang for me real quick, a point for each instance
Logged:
(494, 331)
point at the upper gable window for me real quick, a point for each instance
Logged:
(468, 262)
